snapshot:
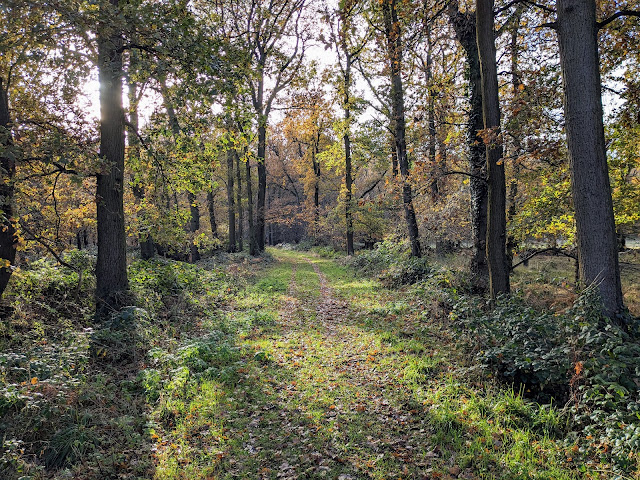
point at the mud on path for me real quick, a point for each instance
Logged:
(330, 312)
(357, 404)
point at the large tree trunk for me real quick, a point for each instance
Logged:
(465, 27)
(496, 218)
(252, 236)
(316, 186)
(212, 214)
(595, 224)
(262, 186)
(394, 47)
(512, 198)
(7, 209)
(231, 203)
(431, 118)
(111, 267)
(239, 203)
(194, 225)
(348, 178)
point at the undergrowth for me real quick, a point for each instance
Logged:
(579, 359)
(391, 263)
(252, 371)
(80, 399)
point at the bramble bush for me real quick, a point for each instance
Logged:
(579, 357)
(391, 263)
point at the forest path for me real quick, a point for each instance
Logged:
(335, 404)
(344, 379)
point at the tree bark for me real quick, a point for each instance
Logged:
(111, 267)
(512, 243)
(464, 25)
(212, 214)
(496, 217)
(431, 119)
(591, 190)
(7, 207)
(394, 48)
(194, 225)
(231, 203)
(262, 186)
(239, 202)
(316, 186)
(252, 236)
(348, 178)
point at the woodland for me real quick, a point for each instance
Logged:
(302, 239)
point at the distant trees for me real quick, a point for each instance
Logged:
(239, 104)
(274, 37)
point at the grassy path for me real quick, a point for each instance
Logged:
(336, 377)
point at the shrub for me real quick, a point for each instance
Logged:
(580, 356)
(391, 263)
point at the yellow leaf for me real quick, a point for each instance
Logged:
(34, 380)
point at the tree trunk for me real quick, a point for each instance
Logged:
(512, 243)
(194, 210)
(252, 236)
(464, 25)
(496, 217)
(239, 202)
(7, 207)
(431, 119)
(231, 203)
(595, 224)
(348, 179)
(316, 186)
(394, 155)
(111, 267)
(212, 214)
(194, 225)
(262, 187)
(394, 47)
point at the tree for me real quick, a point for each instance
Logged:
(8, 170)
(496, 213)
(595, 225)
(348, 42)
(393, 37)
(111, 267)
(464, 25)
(273, 35)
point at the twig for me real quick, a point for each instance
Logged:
(621, 13)
(35, 238)
(538, 252)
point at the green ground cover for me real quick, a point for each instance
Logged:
(287, 366)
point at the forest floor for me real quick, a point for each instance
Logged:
(287, 366)
(341, 379)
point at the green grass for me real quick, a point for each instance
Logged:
(258, 372)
